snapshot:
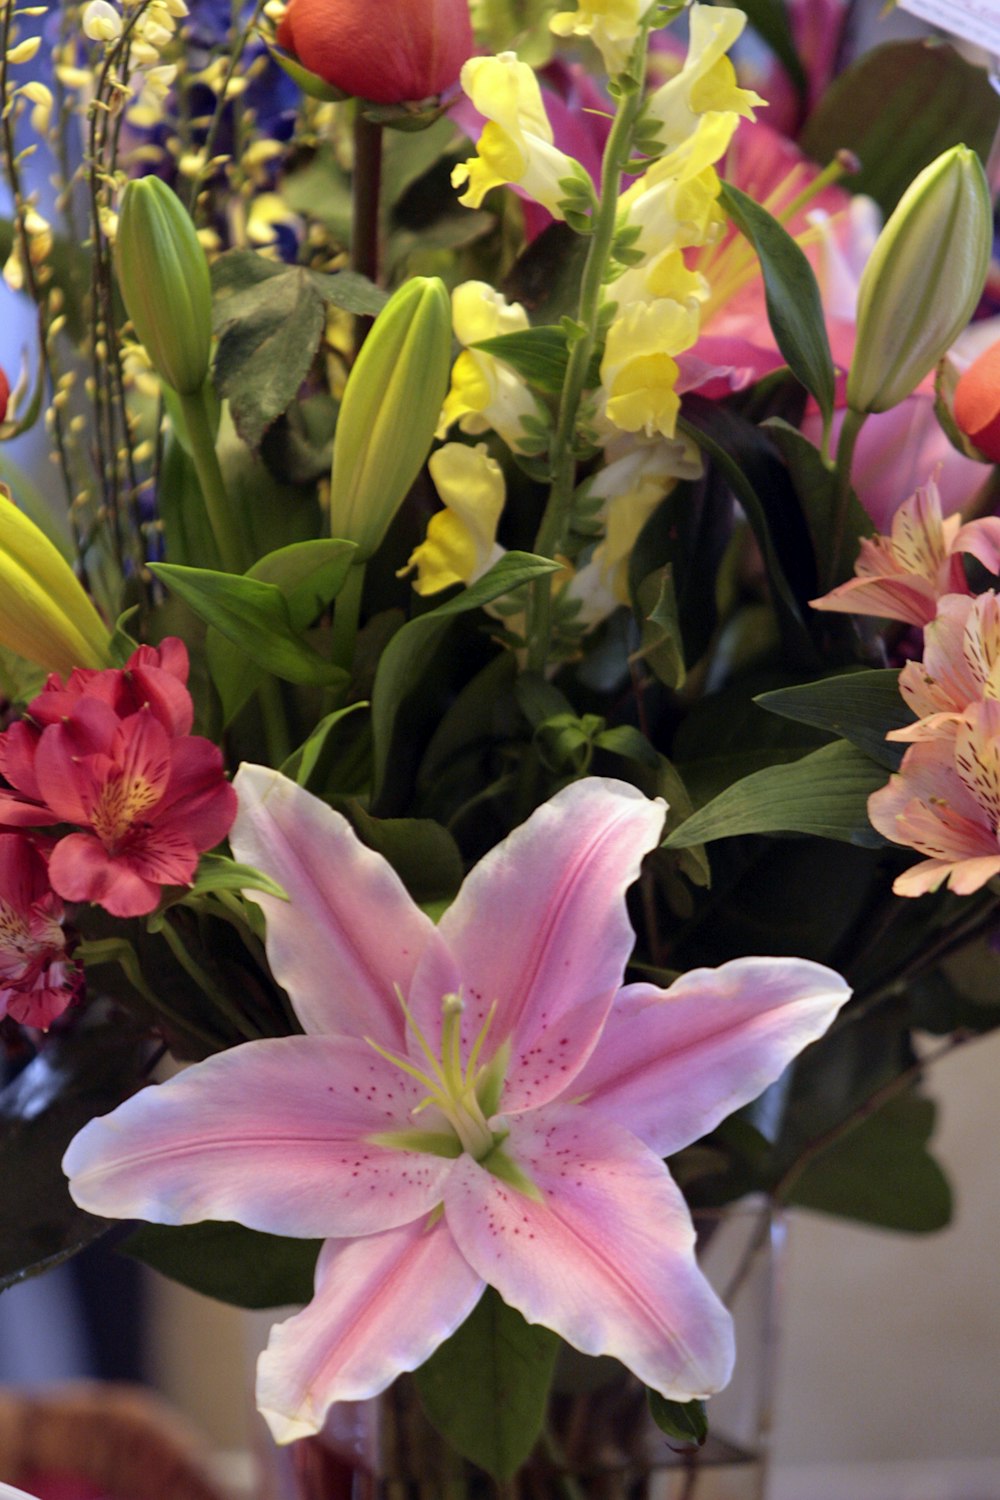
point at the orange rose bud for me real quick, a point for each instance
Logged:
(393, 52)
(977, 403)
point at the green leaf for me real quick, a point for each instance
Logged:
(881, 1172)
(539, 355)
(744, 458)
(216, 872)
(816, 488)
(77, 1075)
(825, 793)
(240, 1266)
(685, 1422)
(485, 1388)
(661, 645)
(408, 653)
(897, 108)
(423, 854)
(255, 616)
(270, 319)
(310, 575)
(794, 309)
(859, 706)
(304, 762)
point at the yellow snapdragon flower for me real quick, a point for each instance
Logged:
(516, 145)
(638, 372)
(707, 81)
(485, 393)
(460, 544)
(612, 25)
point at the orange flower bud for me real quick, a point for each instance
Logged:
(392, 53)
(977, 402)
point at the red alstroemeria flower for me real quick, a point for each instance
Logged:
(38, 979)
(109, 751)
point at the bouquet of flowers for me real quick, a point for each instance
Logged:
(525, 591)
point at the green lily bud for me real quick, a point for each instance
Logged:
(922, 281)
(165, 283)
(391, 406)
(45, 616)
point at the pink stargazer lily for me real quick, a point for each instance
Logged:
(902, 576)
(473, 1103)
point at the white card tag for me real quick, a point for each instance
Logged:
(975, 21)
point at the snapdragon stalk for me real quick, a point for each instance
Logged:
(603, 223)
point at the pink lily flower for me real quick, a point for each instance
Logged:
(943, 803)
(473, 1103)
(961, 665)
(903, 575)
(38, 979)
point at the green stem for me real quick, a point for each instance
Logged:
(849, 433)
(563, 456)
(213, 488)
(366, 187)
(346, 614)
(207, 984)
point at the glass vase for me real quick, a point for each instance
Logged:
(599, 1441)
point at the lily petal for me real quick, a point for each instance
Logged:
(606, 1260)
(382, 1306)
(672, 1063)
(349, 932)
(540, 927)
(271, 1134)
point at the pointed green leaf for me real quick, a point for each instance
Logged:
(825, 793)
(881, 1172)
(407, 654)
(816, 488)
(539, 355)
(794, 308)
(686, 1423)
(302, 764)
(252, 614)
(240, 1266)
(216, 872)
(485, 1388)
(859, 706)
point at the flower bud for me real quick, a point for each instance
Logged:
(391, 405)
(45, 616)
(165, 283)
(922, 281)
(392, 53)
(977, 403)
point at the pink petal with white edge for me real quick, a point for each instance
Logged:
(607, 1260)
(672, 1063)
(271, 1134)
(382, 1306)
(541, 928)
(349, 931)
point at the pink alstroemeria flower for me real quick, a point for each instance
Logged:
(473, 1103)
(38, 979)
(961, 665)
(944, 804)
(903, 575)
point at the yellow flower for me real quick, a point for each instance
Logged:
(461, 539)
(45, 616)
(638, 372)
(707, 82)
(516, 145)
(612, 26)
(486, 394)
